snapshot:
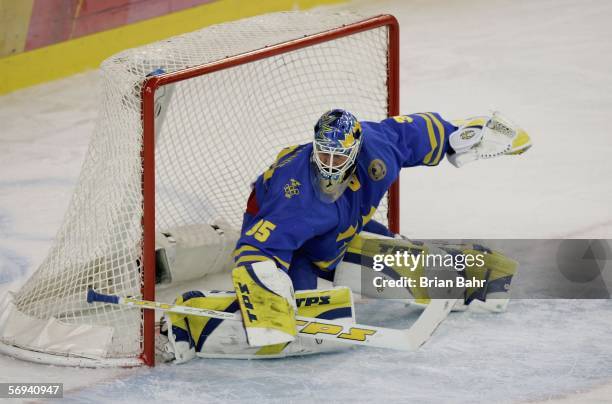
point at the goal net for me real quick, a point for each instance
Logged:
(185, 125)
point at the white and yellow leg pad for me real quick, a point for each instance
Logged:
(267, 302)
(213, 338)
(498, 272)
(188, 334)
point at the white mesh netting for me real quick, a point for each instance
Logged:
(220, 131)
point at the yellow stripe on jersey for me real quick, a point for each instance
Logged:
(251, 258)
(365, 219)
(326, 264)
(280, 261)
(244, 248)
(441, 132)
(348, 233)
(270, 171)
(354, 184)
(255, 257)
(432, 138)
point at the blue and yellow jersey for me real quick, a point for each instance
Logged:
(286, 222)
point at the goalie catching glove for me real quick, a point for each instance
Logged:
(267, 303)
(486, 137)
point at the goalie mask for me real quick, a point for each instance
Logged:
(334, 156)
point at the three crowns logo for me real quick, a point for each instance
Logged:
(292, 188)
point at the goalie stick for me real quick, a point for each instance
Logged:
(409, 339)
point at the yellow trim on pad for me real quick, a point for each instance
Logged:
(74, 56)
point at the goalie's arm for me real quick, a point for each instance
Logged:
(411, 140)
(425, 138)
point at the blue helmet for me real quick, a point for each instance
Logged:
(336, 144)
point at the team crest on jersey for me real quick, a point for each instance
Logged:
(292, 188)
(377, 169)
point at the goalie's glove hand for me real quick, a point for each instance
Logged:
(486, 137)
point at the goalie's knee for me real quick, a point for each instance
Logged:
(267, 303)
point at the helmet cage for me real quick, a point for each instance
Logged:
(329, 179)
(330, 169)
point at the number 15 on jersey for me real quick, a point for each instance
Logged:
(261, 230)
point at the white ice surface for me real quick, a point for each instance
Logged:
(546, 63)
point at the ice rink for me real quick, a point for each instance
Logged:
(545, 63)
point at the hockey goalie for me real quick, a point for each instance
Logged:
(310, 217)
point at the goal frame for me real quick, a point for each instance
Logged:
(153, 83)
